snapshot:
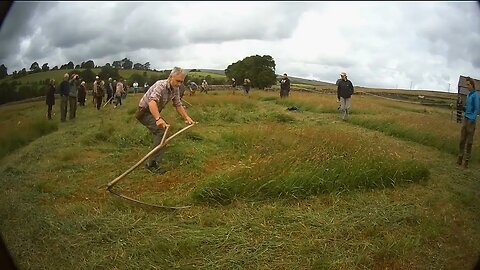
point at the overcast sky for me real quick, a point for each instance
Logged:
(386, 44)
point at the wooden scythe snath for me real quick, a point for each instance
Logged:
(188, 103)
(153, 151)
(107, 102)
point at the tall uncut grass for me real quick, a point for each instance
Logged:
(424, 135)
(296, 164)
(19, 136)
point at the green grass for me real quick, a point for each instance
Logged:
(269, 189)
(302, 172)
(23, 132)
(400, 131)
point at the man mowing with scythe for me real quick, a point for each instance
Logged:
(152, 104)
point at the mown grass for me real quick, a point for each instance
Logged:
(363, 222)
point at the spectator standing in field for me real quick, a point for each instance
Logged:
(246, 86)
(234, 85)
(118, 94)
(472, 108)
(150, 108)
(96, 83)
(204, 87)
(125, 89)
(100, 93)
(109, 88)
(72, 96)
(284, 86)
(64, 92)
(193, 87)
(82, 94)
(344, 94)
(50, 98)
(135, 87)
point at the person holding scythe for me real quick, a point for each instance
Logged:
(151, 106)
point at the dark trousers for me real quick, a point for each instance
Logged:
(99, 102)
(148, 121)
(466, 138)
(72, 101)
(119, 100)
(49, 111)
(63, 108)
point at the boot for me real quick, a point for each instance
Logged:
(459, 160)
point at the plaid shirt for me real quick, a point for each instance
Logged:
(161, 92)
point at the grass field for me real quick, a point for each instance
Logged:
(268, 188)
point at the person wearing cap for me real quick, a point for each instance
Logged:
(119, 91)
(96, 83)
(82, 94)
(64, 91)
(99, 93)
(234, 85)
(246, 86)
(193, 87)
(150, 107)
(204, 87)
(344, 93)
(472, 108)
(284, 86)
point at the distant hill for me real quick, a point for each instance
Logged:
(293, 79)
(306, 81)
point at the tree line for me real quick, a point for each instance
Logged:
(125, 63)
(259, 69)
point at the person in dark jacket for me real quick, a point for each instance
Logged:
(50, 98)
(344, 93)
(64, 93)
(284, 86)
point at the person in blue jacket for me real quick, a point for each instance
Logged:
(472, 108)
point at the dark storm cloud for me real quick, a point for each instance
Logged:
(18, 24)
(82, 31)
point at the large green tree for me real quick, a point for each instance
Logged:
(45, 67)
(109, 72)
(35, 67)
(126, 63)
(88, 64)
(87, 75)
(117, 64)
(259, 69)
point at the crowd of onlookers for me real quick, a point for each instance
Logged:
(73, 92)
